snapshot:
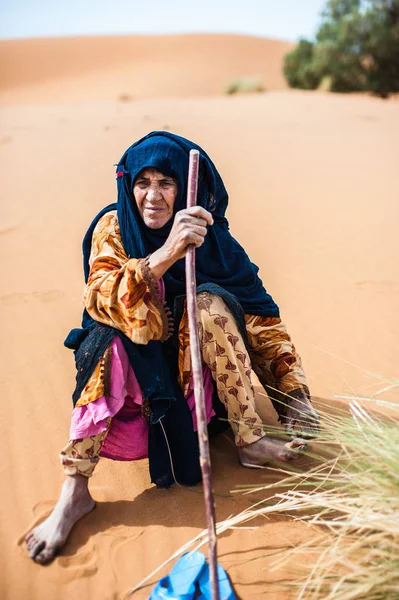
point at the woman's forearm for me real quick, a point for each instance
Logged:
(159, 262)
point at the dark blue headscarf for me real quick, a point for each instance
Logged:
(221, 259)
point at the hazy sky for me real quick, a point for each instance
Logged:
(284, 19)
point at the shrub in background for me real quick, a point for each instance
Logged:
(299, 69)
(245, 85)
(357, 48)
(382, 46)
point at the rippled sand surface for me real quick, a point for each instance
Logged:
(313, 183)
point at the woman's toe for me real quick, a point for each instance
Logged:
(36, 548)
(31, 542)
(45, 556)
(29, 536)
(297, 444)
(295, 448)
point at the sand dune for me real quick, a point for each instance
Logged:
(104, 68)
(313, 198)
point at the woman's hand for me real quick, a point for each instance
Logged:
(189, 228)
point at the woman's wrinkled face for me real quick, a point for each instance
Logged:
(155, 196)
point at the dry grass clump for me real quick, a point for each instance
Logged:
(352, 497)
(349, 498)
(245, 85)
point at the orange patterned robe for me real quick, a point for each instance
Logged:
(121, 292)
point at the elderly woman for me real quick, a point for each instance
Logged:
(134, 395)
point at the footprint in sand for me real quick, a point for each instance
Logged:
(44, 296)
(6, 139)
(366, 118)
(125, 97)
(7, 229)
(379, 286)
(48, 295)
(121, 548)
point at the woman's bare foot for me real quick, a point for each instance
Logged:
(46, 540)
(265, 450)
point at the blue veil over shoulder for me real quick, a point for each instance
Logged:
(220, 260)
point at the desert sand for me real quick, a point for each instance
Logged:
(127, 67)
(313, 183)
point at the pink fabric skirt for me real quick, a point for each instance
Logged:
(127, 438)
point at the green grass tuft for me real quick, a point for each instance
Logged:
(245, 86)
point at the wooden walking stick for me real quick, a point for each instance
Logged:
(196, 365)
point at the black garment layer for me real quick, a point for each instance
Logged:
(170, 415)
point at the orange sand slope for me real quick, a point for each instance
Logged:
(313, 198)
(104, 68)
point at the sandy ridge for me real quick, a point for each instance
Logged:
(105, 68)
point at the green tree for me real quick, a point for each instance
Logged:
(298, 67)
(381, 46)
(338, 52)
(357, 48)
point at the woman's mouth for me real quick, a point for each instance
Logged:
(154, 208)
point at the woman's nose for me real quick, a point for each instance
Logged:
(153, 193)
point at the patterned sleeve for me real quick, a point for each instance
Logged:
(273, 355)
(122, 292)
